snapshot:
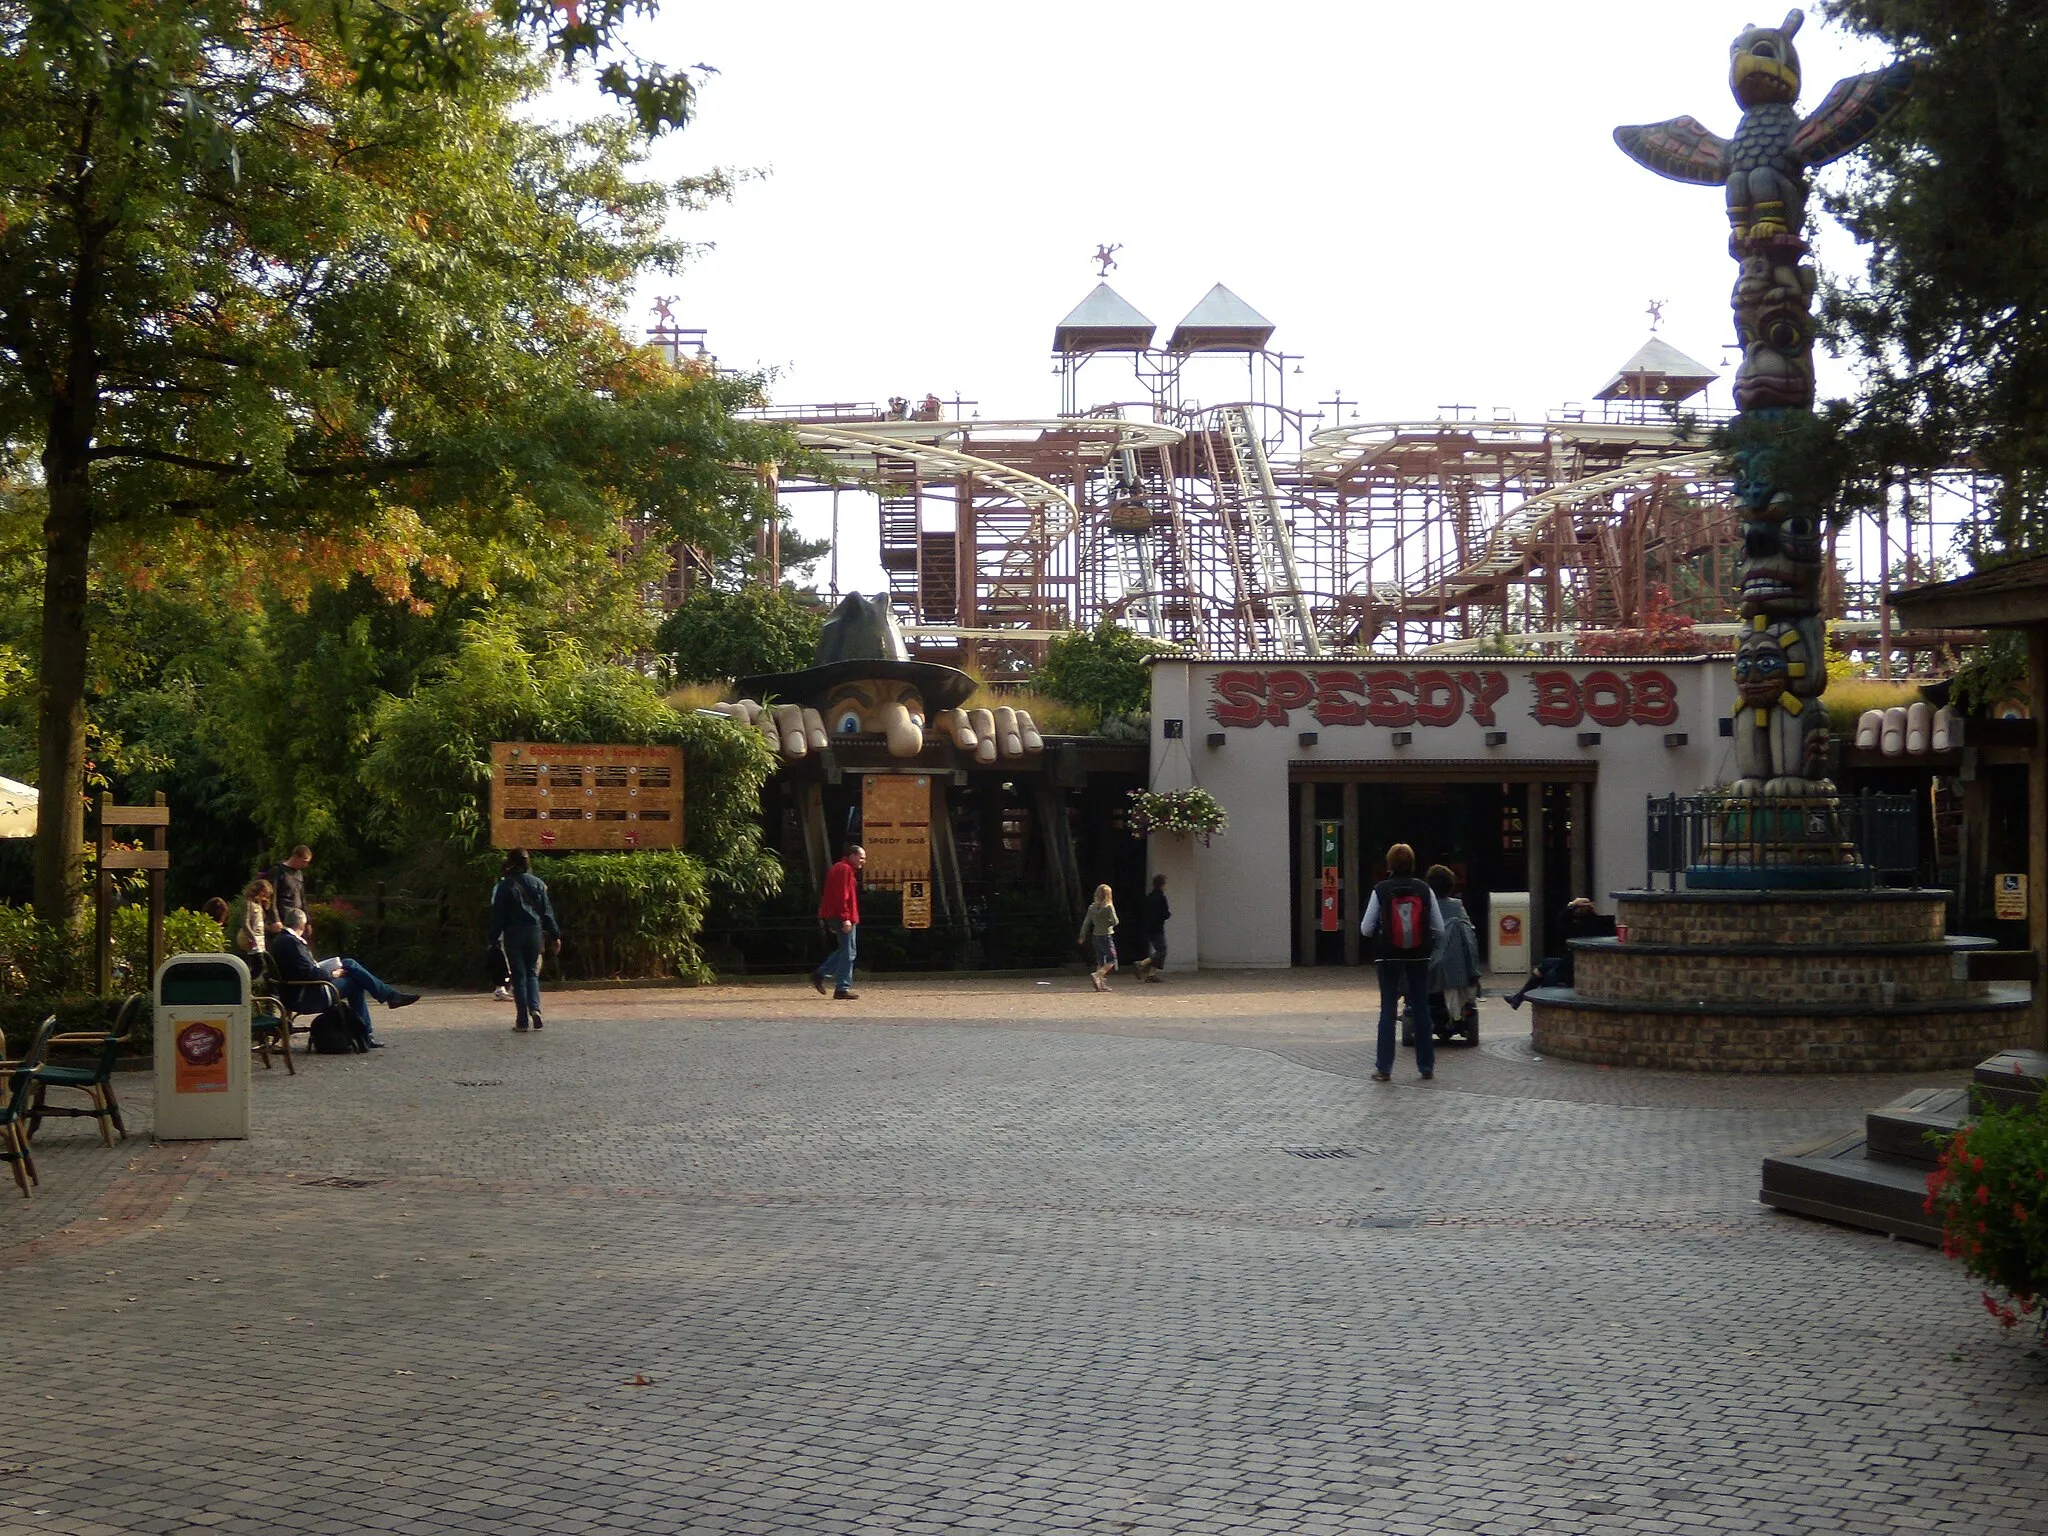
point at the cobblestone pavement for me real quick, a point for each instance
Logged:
(984, 1255)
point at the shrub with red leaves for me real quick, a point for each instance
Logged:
(1990, 1190)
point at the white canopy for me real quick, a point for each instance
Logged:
(17, 809)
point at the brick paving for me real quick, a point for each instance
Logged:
(981, 1255)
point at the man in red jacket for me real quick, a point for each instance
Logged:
(839, 911)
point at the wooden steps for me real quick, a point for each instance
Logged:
(1876, 1178)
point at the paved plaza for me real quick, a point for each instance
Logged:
(984, 1254)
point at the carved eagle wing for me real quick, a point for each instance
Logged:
(1683, 149)
(1852, 112)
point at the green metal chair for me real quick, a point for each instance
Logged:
(20, 1093)
(94, 1078)
(271, 1016)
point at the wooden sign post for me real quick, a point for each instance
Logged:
(546, 798)
(156, 858)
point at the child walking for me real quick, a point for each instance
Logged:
(1099, 926)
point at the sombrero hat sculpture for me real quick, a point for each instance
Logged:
(864, 682)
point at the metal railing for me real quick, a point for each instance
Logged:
(1864, 840)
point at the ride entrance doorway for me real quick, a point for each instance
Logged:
(1499, 828)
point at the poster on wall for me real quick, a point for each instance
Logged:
(896, 827)
(917, 903)
(547, 797)
(2009, 898)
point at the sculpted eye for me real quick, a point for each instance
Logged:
(1800, 527)
(1764, 50)
(848, 724)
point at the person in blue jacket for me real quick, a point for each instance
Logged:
(523, 922)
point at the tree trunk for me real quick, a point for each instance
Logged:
(60, 707)
(67, 556)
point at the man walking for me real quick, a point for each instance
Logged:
(1153, 922)
(839, 911)
(1404, 920)
(288, 881)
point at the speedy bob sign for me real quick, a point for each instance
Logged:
(1440, 696)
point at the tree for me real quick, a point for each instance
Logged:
(716, 634)
(1102, 669)
(1950, 322)
(268, 310)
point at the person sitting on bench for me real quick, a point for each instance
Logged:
(352, 979)
(1577, 921)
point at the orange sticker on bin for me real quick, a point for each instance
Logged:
(202, 1056)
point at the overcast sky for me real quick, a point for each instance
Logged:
(1424, 199)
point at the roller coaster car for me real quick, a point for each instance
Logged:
(1130, 516)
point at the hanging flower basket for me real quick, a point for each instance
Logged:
(1178, 810)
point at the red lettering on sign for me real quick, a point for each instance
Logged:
(1605, 698)
(1484, 690)
(1332, 707)
(1653, 699)
(1286, 691)
(1383, 702)
(1238, 696)
(1557, 699)
(1437, 700)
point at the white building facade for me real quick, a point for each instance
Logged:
(1523, 776)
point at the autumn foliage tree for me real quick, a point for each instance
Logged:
(300, 292)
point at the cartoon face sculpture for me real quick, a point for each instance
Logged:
(879, 706)
(864, 682)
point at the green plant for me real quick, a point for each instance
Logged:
(1995, 672)
(37, 960)
(633, 914)
(1846, 700)
(1103, 668)
(1177, 810)
(715, 633)
(185, 933)
(1990, 1190)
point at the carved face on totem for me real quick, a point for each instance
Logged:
(1761, 669)
(1763, 66)
(1774, 324)
(1780, 563)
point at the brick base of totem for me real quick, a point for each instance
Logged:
(1778, 981)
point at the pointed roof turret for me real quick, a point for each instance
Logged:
(1103, 322)
(1660, 372)
(1222, 322)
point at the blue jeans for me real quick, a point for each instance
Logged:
(838, 965)
(357, 986)
(522, 957)
(1409, 978)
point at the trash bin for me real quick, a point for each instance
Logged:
(202, 1048)
(1508, 939)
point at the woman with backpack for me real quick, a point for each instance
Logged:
(1404, 920)
(523, 921)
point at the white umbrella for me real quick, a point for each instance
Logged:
(17, 809)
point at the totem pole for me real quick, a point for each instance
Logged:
(1781, 664)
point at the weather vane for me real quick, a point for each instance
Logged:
(662, 312)
(1106, 255)
(1656, 312)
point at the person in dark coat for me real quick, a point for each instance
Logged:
(1579, 920)
(1153, 919)
(354, 980)
(522, 927)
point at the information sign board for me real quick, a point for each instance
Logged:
(917, 903)
(547, 797)
(2009, 898)
(895, 821)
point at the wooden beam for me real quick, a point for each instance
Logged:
(135, 815)
(2037, 828)
(1991, 610)
(136, 858)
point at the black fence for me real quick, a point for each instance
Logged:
(1731, 842)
